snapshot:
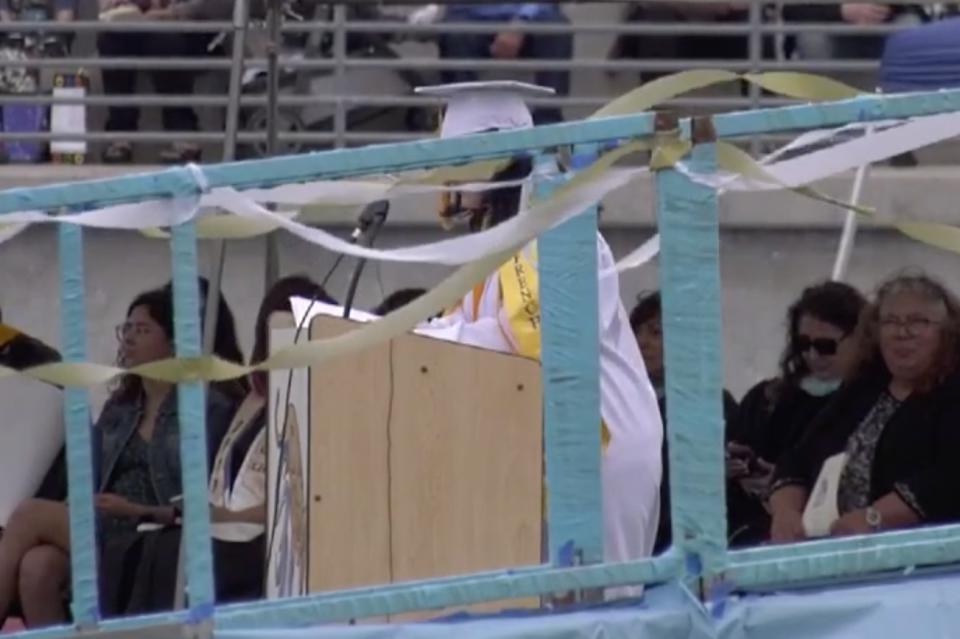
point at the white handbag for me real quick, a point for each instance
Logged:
(822, 510)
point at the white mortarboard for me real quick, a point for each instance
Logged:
(473, 107)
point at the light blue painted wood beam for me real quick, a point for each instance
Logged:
(567, 258)
(73, 335)
(866, 108)
(690, 288)
(191, 407)
(322, 165)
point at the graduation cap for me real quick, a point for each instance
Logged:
(475, 107)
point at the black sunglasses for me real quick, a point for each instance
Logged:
(822, 345)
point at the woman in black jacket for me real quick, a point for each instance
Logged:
(896, 421)
(819, 350)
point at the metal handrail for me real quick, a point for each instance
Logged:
(597, 64)
(386, 26)
(755, 30)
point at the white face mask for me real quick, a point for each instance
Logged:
(819, 387)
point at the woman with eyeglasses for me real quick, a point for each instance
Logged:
(819, 352)
(887, 443)
(137, 460)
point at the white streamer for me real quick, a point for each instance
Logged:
(846, 156)
(640, 255)
(529, 223)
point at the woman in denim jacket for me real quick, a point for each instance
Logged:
(137, 456)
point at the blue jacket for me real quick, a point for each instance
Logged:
(504, 12)
(118, 422)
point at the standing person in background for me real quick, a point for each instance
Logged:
(502, 313)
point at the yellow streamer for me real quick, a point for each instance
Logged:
(667, 149)
(733, 159)
(943, 236)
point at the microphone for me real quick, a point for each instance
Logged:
(372, 218)
(370, 222)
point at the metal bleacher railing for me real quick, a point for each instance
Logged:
(320, 73)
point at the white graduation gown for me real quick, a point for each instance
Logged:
(631, 466)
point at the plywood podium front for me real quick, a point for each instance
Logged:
(423, 458)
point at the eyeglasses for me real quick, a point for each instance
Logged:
(137, 329)
(913, 326)
(822, 345)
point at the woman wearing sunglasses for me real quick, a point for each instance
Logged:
(882, 455)
(819, 352)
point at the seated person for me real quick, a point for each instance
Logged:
(20, 351)
(58, 10)
(510, 45)
(895, 421)
(238, 486)
(136, 447)
(813, 45)
(646, 322)
(820, 352)
(682, 46)
(226, 346)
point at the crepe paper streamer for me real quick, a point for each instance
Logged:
(797, 85)
(794, 172)
(846, 156)
(361, 192)
(943, 236)
(662, 89)
(735, 160)
(567, 201)
(803, 86)
(641, 255)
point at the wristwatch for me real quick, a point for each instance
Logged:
(874, 518)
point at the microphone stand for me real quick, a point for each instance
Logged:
(365, 238)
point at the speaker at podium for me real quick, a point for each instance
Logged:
(415, 458)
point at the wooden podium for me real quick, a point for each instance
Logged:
(423, 458)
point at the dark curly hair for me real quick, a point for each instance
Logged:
(646, 309)
(835, 303)
(948, 354)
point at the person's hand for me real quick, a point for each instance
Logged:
(160, 14)
(738, 460)
(108, 5)
(853, 523)
(507, 45)
(427, 14)
(787, 526)
(111, 504)
(758, 483)
(865, 13)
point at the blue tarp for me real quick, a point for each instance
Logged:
(908, 607)
(922, 58)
